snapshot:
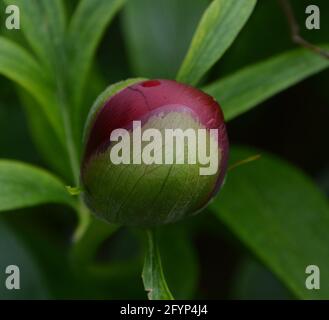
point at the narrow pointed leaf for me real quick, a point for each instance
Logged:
(48, 144)
(280, 215)
(219, 26)
(245, 89)
(19, 66)
(86, 28)
(23, 185)
(43, 24)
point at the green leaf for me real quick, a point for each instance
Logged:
(219, 26)
(43, 24)
(153, 278)
(86, 28)
(158, 34)
(18, 65)
(281, 216)
(44, 137)
(243, 90)
(23, 185)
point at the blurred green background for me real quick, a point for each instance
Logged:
(293, 125)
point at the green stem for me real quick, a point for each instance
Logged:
(154, 281)
(62, 88)
(84, 218)
(70, 145)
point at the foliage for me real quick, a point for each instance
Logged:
(271, 206)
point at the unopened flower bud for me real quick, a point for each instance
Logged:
(155, 152)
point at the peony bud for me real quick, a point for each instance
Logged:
(155, 152)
